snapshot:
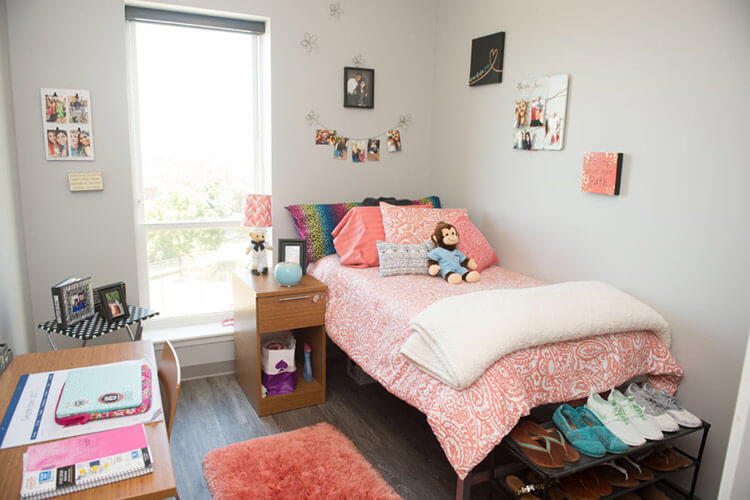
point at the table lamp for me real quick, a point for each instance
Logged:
(256, 210)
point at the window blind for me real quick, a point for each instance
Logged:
(161, 16)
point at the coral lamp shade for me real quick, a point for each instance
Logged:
(256, 210)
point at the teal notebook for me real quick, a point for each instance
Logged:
(101, 388)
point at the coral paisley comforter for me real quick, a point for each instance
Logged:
(368, 317)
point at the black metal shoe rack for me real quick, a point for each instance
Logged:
(550, 477)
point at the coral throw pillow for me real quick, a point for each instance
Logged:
(356, 235)
(473, 244)
(405, 225)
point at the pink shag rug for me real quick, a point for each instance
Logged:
(309, 463)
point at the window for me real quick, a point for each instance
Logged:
(196, 124)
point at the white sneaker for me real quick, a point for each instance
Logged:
(613, 417)
(653, 410)
(673, 406)
(635, 415)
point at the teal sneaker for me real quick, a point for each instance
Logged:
(611, 443)
(575, 430)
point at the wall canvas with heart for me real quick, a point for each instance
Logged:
(487, 59)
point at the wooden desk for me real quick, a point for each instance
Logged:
(159, 484)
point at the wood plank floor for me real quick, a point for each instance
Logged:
(393, 436)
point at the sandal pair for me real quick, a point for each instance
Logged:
(666, 460)
(545, 447)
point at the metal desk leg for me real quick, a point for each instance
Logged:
(49, 337)
(138, 331)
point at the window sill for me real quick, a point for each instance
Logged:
(202, 333)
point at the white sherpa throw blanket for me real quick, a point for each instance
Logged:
(457, 338)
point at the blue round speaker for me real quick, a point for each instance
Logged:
(287, 273)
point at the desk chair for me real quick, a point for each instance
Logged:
(169, 383)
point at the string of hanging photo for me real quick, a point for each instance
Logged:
(361, 147)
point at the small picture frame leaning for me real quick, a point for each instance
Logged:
(77, 301)
(112, 300)
(293, 250)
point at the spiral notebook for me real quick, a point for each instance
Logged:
(60, 467)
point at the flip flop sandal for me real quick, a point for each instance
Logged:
(536, 448)
(634, 469)
(562, 448)
(522, 490)
(666, 460)
(630, 496)
(555, 493)
(585, 486)
(651, 492)
(576, 487)
(615, 475)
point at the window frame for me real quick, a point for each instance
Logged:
(262, 91)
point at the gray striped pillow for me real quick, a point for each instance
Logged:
(398, 259)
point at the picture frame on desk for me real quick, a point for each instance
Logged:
(73, 301)
(112, 300)
(293, 250)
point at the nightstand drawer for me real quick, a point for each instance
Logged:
(291, 311)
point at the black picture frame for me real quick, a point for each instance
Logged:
(487, 54)
(107, 312)
(353, 100)
(285, 243)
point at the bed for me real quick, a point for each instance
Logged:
(367, 317)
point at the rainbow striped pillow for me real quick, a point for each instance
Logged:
(314, 223)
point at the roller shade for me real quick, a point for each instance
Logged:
(160, 16)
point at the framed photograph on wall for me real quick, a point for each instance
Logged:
(292, 250)
(359, 88)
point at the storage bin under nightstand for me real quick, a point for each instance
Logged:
(262, 306)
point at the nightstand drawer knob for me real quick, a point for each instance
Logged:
(316, 298)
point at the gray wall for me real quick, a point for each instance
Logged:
(92, 234)
(14, 308)
(663, 82)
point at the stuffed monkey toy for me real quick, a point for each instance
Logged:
(258, 247)
(450, 262)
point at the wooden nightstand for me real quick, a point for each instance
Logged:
(263, 306)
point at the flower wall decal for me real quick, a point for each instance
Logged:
(335, 10)
(309, 42)
(358, 60)
(312, 117)
(404, 121)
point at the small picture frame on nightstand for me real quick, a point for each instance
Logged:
(292, 250)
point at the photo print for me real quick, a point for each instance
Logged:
(79, 108)
(394, 141)
(324, 136)
(359, 88)
(67, 124)
(57, 143)
(55, 107)
(539, 113)
(373, 150)
(80, 143)
(358, 151)
(339, 150)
